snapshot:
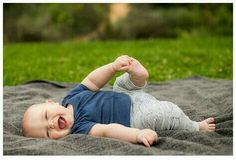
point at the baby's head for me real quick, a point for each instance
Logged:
(47, 120)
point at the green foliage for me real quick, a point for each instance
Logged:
(55, 21)
(58, 21)
(165, 59)
(172, 20)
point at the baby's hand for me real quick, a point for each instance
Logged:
(122, 63)
(147, 137)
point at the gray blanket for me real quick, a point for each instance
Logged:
(198, 97)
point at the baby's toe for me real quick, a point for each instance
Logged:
(212, 125)
(210, 120)
(212, 129)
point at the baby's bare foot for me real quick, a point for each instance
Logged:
(207, 125)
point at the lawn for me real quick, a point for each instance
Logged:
(165, 59)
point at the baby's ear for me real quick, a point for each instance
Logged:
(49, 101)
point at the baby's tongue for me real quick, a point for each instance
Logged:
(61, 123)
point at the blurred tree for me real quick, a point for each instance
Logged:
(172, 20)
(118, 11)
(56, 21)
(32, 22)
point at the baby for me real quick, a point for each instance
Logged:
(126, 113)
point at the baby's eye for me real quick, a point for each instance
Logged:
(46, 115)
(48, 134)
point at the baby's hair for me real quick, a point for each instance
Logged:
(23, 126)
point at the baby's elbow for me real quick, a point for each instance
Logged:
(98, 130)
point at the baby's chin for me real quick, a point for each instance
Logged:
(60, 135)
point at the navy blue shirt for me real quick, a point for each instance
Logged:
(102, 107)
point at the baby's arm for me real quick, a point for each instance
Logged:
(138, 73)
(100, 76)
(117, 131)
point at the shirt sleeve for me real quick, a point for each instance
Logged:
(79, 88)
(83, 127)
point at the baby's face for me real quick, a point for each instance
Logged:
(48, 120)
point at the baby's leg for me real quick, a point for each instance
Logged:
(181, 121)
(176, 119)
(148, 112)
(124, 84)
(163, 115)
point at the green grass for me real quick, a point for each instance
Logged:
(165, 59)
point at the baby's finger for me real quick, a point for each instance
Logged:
(155, 136)
(125, 57)
(145, 142)
(124, 62)
(150, 139)
(124, 68)
(128, 59)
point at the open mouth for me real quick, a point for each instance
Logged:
(62, 122)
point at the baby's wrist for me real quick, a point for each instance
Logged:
(113, 68)
(137, 136)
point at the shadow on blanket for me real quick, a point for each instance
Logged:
(198, 97)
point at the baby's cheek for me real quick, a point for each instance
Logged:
(56, 135)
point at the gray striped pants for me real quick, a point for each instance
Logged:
(148, 112)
